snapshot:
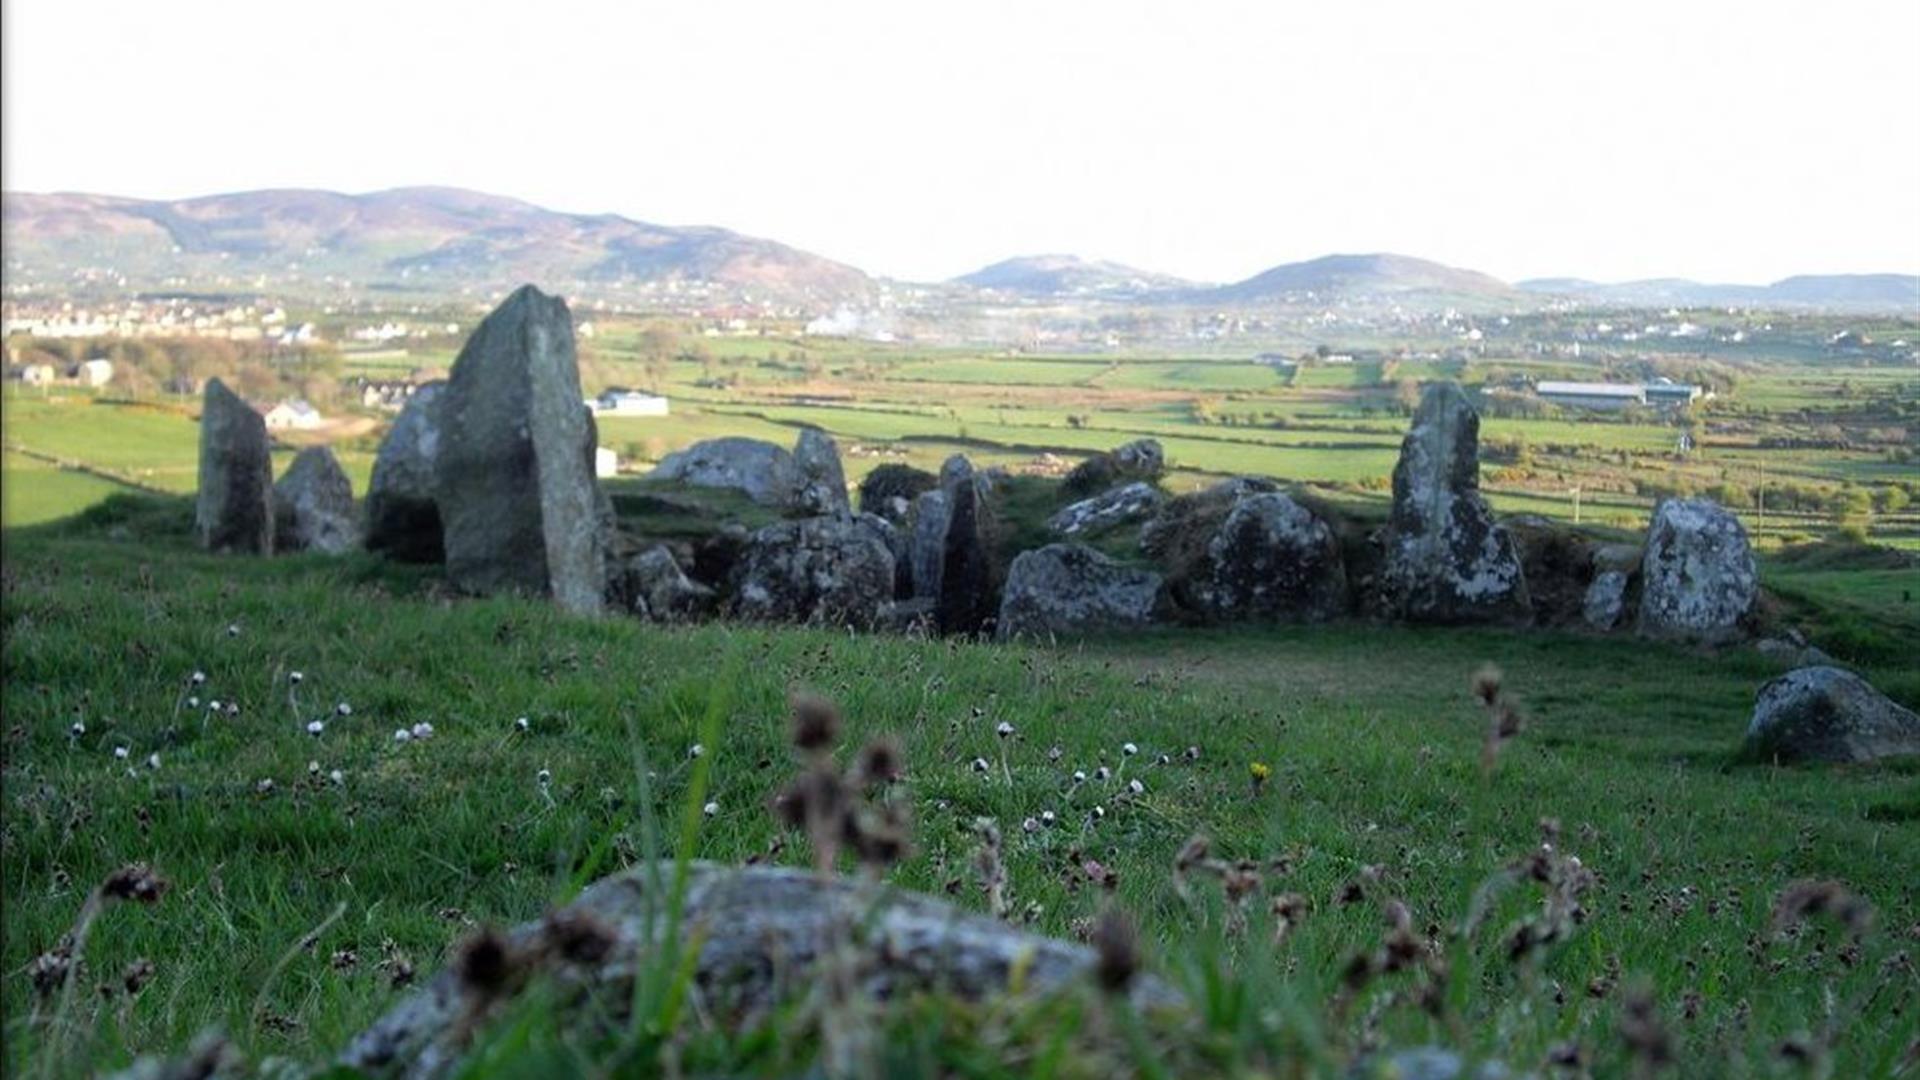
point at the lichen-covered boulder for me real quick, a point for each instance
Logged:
(1116, 506)
(403, 516)
(1828, 714)
(1184, 524)
(823, 571)
(656, 588)
(899, 544)
(1697, 577)
(823, 483)
(519, 507)
(1065, 589)
(765, 937)
(233, 511)
(1141, 459)
(766, 473)
(1614, 567)
(1271, 558)
(1445, 560)
(313, 505)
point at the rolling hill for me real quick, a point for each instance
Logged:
(1399, 279)
(426, 239)
(1070, 275)
(1835, 292)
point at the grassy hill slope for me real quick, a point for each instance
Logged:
(1376, 793)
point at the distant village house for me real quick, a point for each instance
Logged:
(606, 463)
(293, 415)
(619, 401)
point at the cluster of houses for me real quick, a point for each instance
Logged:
(92, 374)
(620, 401)
(1606, 397)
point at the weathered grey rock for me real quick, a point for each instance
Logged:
(967, 591)
(1606, 599)
(234, 508)
(659, 590)
(1117, 506)
(518, 503)
(1185, 523)
(1828, 714)
(932, 513)
(313, 505)
(403, 512)
(1426, 1063)
(890, 490)
(1141, 459)
(826, 571)
(1697, 578)
(899, 545)
(766, 473)
(1272, 558)
(764, 935)
(912, 616)
(1445, 560)
(823, 484)
(1067, 589)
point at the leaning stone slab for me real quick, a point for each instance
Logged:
(1445, 559)
(518, 502)
(233, 511)
(1068, 589)
(1697, 578)
(1129, 502)
(658, 589)
(764, 935)
(1827, 714)
(313, 505)
(403, 516)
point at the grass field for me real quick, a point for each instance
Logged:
(1372, 737)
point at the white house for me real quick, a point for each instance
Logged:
(95, 372)
(605, 462)
(619, 401)
(293, 415)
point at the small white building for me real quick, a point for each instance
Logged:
(605, 462)
(35, 374)
(619, 401)
(295, 415)
(95, 372)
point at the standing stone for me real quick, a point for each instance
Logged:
(234, 509)
(313, 505)
(932, 513)
(1827, 714)
(1697, 578)
(403, 514)
(1605, 602)
(967, 593)
(657, 589)
(1072, 589)
(1273, 558)
(516, 490)
(822, 571)
(823, 484)
(1445, 559)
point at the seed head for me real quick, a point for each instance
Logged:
(1116, 945)
(135, 882)
(816, 723)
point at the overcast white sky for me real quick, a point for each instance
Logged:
(1737, 141)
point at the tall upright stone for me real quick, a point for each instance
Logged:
(967, 594)
(234, 509)
(1697, 578)
(1445, 560)
(518, 503)
(823, 483)
(403, 511)
(313, 505)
